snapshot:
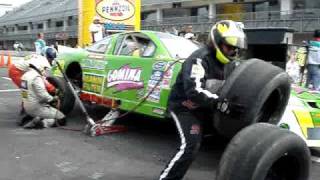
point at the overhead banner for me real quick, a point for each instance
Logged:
(116, 16)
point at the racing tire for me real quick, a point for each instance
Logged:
(66, 97)
(265, 152)
(261, 88)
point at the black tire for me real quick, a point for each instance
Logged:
(65, 95)
(262, 88)
(265, 152)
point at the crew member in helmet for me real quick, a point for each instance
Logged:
(18, 68)
(37, 102)
(50, 53)
(189, 96)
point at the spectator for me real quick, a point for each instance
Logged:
(39, 43)
(56, 46)
(313, 64)
(96, 29)
(182, 32)
(293, 69)
(174, 31)
(18, 46)
(189, 34)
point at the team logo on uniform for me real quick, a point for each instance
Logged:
(195, 129)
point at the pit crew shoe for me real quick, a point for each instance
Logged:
(34, 123)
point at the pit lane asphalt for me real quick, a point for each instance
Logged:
(56, 154)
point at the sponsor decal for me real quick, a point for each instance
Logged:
(96, 56)
(195, 129)
(158, 111)
(115, 10)
(92, 83)
(155, 95)
(24, 89)
(160, 65)
(115, 26)
(156, 75)
(165, 84)
(93, 64)
(125, 78)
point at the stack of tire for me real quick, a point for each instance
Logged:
(259, 150)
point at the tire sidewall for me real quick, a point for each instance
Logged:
(66, 97)
(242, 87)
(253, 151)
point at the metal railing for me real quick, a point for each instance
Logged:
(71, 30)
(300, 20)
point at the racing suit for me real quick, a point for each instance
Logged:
(188, 98)
(36, 100)
(18, 68)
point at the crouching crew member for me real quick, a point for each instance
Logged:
(37, 102)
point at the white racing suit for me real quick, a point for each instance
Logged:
(36, 100)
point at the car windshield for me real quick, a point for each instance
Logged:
(177, 46)
(100, 46)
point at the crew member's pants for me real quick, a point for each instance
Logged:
(190, 133)
(313, 76)
(15, 74)
(49, 114)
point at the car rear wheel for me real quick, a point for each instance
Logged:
(65, 95)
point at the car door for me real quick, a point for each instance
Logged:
(129, 71)
(94, 69)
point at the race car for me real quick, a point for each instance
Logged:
(302, 115)
(137, 69)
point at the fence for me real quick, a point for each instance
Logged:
(300, 20)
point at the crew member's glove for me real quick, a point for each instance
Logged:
(226, 107)
(55, 101)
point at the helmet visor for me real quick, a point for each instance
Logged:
(238, 42)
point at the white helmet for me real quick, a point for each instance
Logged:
(40, 63)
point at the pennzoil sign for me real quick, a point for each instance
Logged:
(115, 10)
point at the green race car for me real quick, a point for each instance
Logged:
(135, 69)
(302, 115)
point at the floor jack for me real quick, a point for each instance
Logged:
(92, 128)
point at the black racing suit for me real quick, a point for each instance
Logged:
(189, 97)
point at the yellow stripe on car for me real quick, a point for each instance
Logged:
(305, 121)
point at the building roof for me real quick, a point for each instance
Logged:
(39, 10)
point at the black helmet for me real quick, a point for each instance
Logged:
(50, 53)
(227, 36)
(316, 33)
